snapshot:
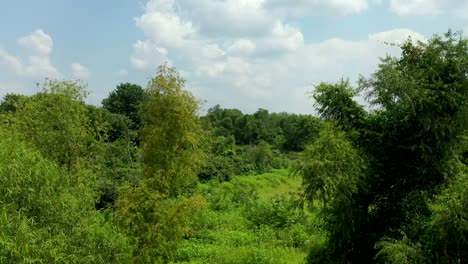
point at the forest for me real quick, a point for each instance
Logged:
(146, 178)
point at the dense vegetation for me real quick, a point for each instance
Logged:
(145, 179)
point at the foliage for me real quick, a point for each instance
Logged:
(156, 212)
(410, 144)
(126, 100)
(171, 151)
(56, 122)
(234, 230)
(157, 223)
(335, 102)
(219, 163)
(12, 102)
(45, 219)
(285, 131)
(299, 131)
(447, 229)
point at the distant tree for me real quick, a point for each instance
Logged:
(126, 100)
(298, 131)
(336, 102)
(12, 102)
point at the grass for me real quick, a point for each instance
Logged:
(234, 228)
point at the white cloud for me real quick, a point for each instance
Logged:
(11, 62)
(163, 26)
(264, 62)
(228, 18)
(287, 36)
(242, 46)
(39, 67)
(38, 64)
(397, 36)
(169, 29)
(319, 7)
(38, 42)
(147, 55)
(430, 7)
(79, 71)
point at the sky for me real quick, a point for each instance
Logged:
(245, 54)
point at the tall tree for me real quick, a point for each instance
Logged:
(157, 212)
(171, 134)
(411, 142)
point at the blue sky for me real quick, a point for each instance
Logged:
(245, 54)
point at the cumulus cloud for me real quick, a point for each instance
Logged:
(165, 27)
(39, 67)
(282, 83)
(430, 7)
(79, 71)
(229, 18)
(246, 28)
(147, 55)
(38, 42)
(38, 45)
(11, 62)
(265, 62)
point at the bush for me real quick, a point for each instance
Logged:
(45, 218)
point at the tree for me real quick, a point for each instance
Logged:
(171, 134)
(299, 131)
(156, 212)
(56, 122)
(335, 102)
(411, 143)
(12, 102)
(126, 100)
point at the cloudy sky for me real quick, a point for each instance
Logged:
(244, 54)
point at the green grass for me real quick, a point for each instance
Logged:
(251, 220)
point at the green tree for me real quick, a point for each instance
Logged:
(172, 151)
(336, 102)
(56, 122)
(156, 213)
(411, 144)
(12, 102)
(126, 100)
(298, 131)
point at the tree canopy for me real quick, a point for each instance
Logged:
(411, 142)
